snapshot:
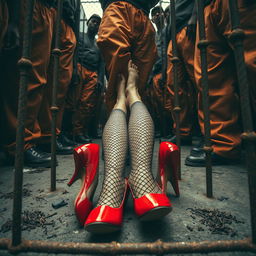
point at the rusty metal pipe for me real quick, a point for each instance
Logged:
(25, 66)
(249, 136)
(175, 61)
(156, 248)
(54, 108)
(202, 45)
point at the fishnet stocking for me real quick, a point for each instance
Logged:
(115, 150)
(141, 142)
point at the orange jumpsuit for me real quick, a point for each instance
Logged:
(186, 81)
(67, 46)
(88, 99)
(42, 32)
(133, 38)
(223, 96)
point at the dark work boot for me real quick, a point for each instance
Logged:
(200, 160)
(36, 158)
(82, 139)
(64, 140)
(60, 148)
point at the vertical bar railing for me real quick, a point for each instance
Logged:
(25, 66)
(249, 136)
(175, 61)
(77, 34)
(54, 108)
(163, 56)
(202, 45)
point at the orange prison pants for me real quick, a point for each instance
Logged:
(186, 82)
(126, 33)
(43, 21)
(223, 98)
(157, 98)
(158, 90)
(89, 96)
(67, 46)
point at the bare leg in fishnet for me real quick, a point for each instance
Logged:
(141, 139)
(115, 143)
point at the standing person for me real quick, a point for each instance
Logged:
(91, 69)
(223, 97)
(67, 47)
(126, 35)
(42, 34)
(185, 38)
(156, 81)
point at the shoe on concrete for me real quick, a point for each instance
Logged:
(198, 149)
(200, 160)
(82, 139)
(64, 140)
(60, 148)
(184, 140)
(35, 158)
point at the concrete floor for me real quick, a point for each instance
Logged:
(230, 195)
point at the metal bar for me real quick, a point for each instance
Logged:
(54, 108)
(202, 45)
(25, 67)
(77, 33)
(84, 20)
(156, 248)
(249, 136)
(175, 61)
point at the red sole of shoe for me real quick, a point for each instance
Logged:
(155, 214)
(101, 228)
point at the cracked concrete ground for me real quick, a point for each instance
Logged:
(230, 188)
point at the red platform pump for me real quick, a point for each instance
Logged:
(106, 219)
(168, 164)
(86, 168)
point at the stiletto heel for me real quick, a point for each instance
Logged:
(151, 206)
(86, 168)
(168, 164)
(106, 219)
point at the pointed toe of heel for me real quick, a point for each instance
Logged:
(152, 206)
(105, 219)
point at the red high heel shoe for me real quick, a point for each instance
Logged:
(168, 163)
(106, 219)
(151, 206)
(86, 168)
